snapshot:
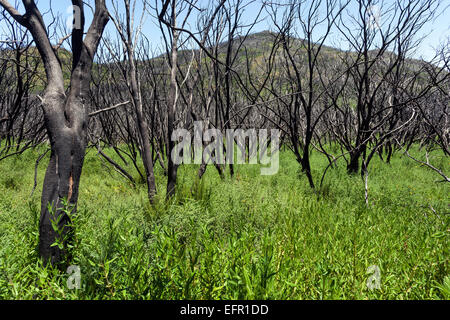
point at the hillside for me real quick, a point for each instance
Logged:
(254, 47)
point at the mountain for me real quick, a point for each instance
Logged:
(255, 46)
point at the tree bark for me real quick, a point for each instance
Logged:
(65, 120)
(306, 167)
(172, 168)
(353, 164)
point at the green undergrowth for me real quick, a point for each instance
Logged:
(246, 237)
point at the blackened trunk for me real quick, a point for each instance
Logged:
(389, 152)
(306, 167)
(60, 193)
(65, 120)
(146, 156)
(353, 165)
(142, 124)
(172, 168)
(355, 156)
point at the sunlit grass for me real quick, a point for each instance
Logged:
(250, 237)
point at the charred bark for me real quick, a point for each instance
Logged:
(65, 120)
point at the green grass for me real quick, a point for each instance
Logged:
(251, 237)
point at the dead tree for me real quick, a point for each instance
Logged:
(374, 35)
(302, 30)
(65, 119)
(129, 38)
(170, 6)
(178, 33)
(20, 120)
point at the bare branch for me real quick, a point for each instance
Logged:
(108, 109)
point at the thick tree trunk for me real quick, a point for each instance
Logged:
(60, 193)
(355, 156)
(353, 164)
(65, 120)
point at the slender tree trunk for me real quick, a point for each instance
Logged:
(145, 145)
(306, 162)
(172, 168)
(147, 160)
(127, 36)
(389, 152)
(306, 167)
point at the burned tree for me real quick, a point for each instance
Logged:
(130, 72)
(379, 40)
(65, 118)
(302, 30)
(20, 119)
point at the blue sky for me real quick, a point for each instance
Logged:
(437, 30)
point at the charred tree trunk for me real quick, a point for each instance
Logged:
(353, 164)
(143, 135)
(355, 156)
(389, 151)
(172, 168)
(65, 119)
(128, 37)
(306, 166)
(60, 191)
